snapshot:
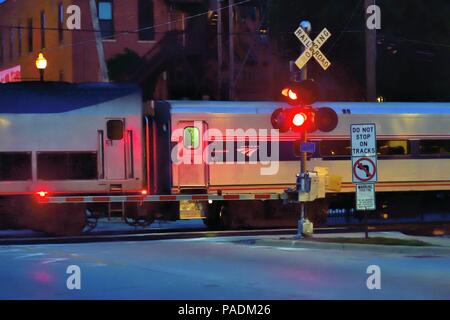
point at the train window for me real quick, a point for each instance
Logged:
(67, 165)
(335, 148)
(115, 129)
(191, 137)
(393, 147)
(434, 147)
(15, 166)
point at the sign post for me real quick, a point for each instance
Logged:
(364, 167)
(312, 49)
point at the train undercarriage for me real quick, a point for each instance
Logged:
(72, 218)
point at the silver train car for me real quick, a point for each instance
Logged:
(413, 142)
(99, 148)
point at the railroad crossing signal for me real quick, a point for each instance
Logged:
(302, 116)
(312, 48)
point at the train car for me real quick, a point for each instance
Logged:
(99, 149)
(68, 139)
(413, 146)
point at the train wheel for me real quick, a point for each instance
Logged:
(91, 219)
(143, 221)
(216, 216)
(138, 216)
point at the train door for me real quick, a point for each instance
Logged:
(193, 170)
(114, 151)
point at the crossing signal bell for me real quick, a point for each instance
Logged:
(302, 116)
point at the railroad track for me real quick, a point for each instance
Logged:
(165, 234)
(159, 235)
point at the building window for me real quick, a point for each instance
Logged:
(434, 147)
(60, 22)
(30, 35)
(42, 29)
(15, 166)
(146, 20)
(105, 17)
(19, 40)
(67, 165)
(1, 48)
(11, 43)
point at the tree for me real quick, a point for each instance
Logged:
(413, 47)
(123, 64)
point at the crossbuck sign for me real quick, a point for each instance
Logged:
(312, 48)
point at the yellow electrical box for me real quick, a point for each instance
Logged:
(308, 228)
(315, 189)
(320, 183)
(332, 182)
(191, 210)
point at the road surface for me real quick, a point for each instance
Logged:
(214, 268)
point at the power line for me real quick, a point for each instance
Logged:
(347, 25)
(133, 31)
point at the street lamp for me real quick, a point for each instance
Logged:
(41, 64)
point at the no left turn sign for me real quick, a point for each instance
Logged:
(365, 170)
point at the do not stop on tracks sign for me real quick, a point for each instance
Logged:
(364, 153)
(364, 164)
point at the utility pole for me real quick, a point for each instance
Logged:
(231, 47)
(306, 26)
(219, 50)
(371, 56)
(98, 41)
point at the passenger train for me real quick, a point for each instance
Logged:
(67, 150)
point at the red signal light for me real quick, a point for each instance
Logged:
(290, 95)
(279, 120)
(299, 119)
(327, 119)
(302, 118)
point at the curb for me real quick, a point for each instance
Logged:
(118, 237)
(311, 244)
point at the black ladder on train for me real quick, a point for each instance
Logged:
(116, 208)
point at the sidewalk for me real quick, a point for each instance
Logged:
(437, 245)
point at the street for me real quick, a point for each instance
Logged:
(215, 268)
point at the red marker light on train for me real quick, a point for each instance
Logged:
(42, 194)
(144, 192)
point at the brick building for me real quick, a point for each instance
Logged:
(154, 42)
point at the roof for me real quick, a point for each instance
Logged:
(57, 97)
(253, 107)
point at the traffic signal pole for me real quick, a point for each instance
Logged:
(306, 26)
